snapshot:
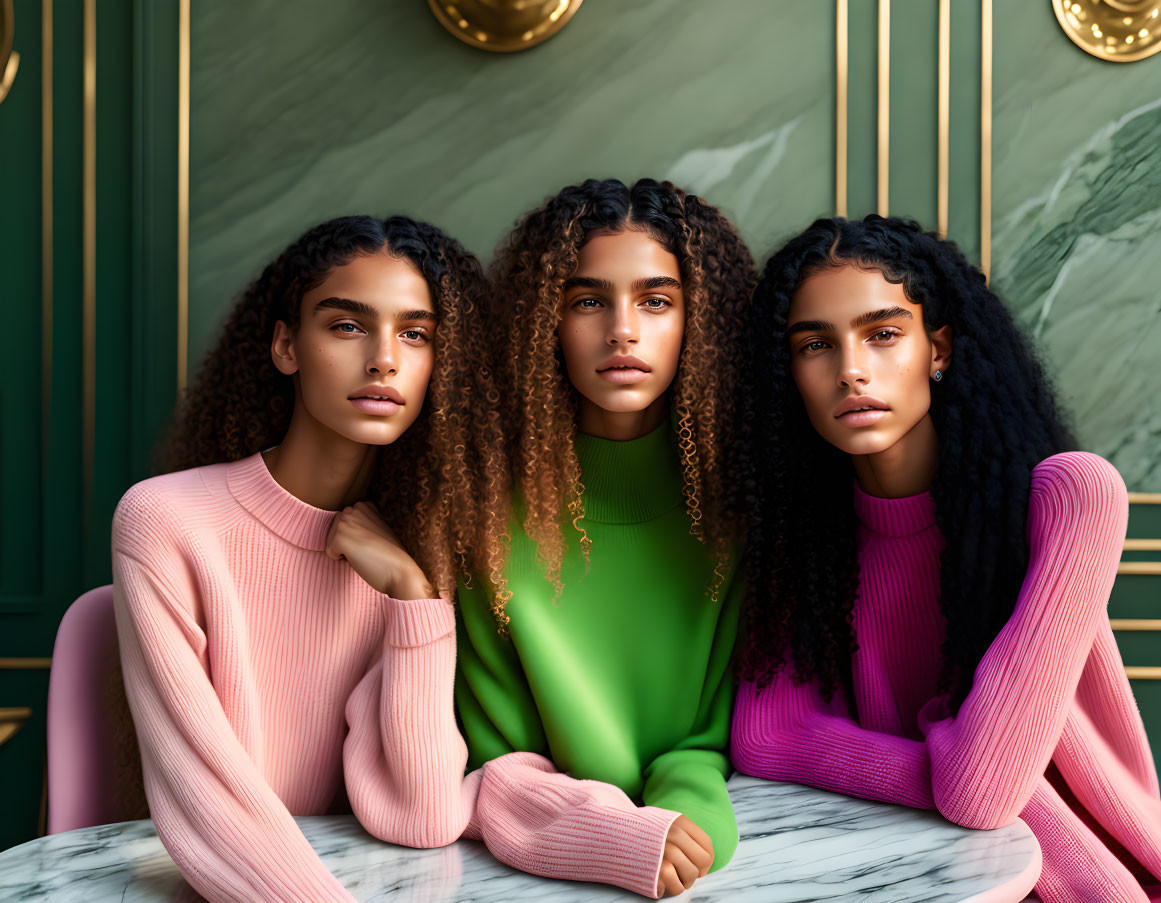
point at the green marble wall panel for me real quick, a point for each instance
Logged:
(297, 116)
(1077, 227)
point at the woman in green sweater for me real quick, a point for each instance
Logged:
(602, 634)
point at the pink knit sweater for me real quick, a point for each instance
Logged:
(1050, 688)
(243, 645)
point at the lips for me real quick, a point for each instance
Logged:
(377, 400)
(861, 410)
(624, 370)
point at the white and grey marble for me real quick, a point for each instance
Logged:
(797, 844)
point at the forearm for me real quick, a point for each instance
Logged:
(404, 758)
(788, 733)
(535, 819)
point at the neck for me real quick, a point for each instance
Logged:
(621, 426)
(906, 468)
(318, 466)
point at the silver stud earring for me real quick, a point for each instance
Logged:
(937, 375)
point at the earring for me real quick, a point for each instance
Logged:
(937, 375)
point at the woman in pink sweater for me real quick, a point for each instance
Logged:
(283, 659)
(931, 567)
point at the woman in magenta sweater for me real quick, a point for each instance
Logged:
(931, 566)
(282, 654)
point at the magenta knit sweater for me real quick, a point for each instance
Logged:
(1050, 688)
(268, 681)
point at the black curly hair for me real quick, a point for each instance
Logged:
(995, 416)
(239, 404)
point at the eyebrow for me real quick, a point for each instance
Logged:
(639, 285)
(366, 310)
(874, 316)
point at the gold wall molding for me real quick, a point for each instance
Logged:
(89, 253)
(9, 58)
(1143, 545)
(504, 26)
(1146, 568)
(883, 156)
(1134, 624)
(46, 228)
(1120, 31)
(183, 29)
(25, 664)
(842, 37)
(12, 719)
(986, 138)
(1142, 673)
(1145, 498)
(944, 116)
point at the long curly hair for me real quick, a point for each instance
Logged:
(995, 415)
(531, 267)
(239, 404)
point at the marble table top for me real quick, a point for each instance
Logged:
(797, 844)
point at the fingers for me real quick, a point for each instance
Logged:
(703, 858)
(668, 884)
(699, 856)
(686, 870)
(330, 546)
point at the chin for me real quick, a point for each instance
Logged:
(622, 402)
(862, 444)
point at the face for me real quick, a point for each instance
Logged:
(363, 352)
(622, 322)
(861, 358)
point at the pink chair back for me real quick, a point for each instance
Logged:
(86, 714)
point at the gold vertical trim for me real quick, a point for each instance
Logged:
(884, 160)
(89, 252)
(941, 215)
(840, 108)
(986, 138)
(183, 195)
(45, 227)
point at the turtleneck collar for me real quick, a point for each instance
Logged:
(895, 517)
(286, 515)
(629, 482)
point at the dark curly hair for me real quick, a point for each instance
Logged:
(531, 267)
(239, 403)
(995, 416)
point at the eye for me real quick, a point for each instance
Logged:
(885, 335)
(657, 303)
(814, 345)
(588, 304)
(346, 328)
(414, 335)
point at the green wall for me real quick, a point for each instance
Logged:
(297, 116)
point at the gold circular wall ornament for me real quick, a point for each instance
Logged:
(9, 58)
(1117, 30)
(503, 26)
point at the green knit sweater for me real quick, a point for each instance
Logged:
(626, 678)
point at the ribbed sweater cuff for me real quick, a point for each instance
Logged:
(646, 833)
(417, 622)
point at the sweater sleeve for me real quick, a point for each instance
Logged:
(691, 777)
(226, 829)
(496, 707)
(987, 759)
(404, 766)
(788, 732)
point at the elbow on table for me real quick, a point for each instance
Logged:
(764, 753)
(975, 810)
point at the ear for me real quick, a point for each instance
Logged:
(940, 349)
(282, 349)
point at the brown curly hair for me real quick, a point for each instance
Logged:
(531, 267)
(240, 404)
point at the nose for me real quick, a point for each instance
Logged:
(853, 368)
(623, 330)
(382, 361)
